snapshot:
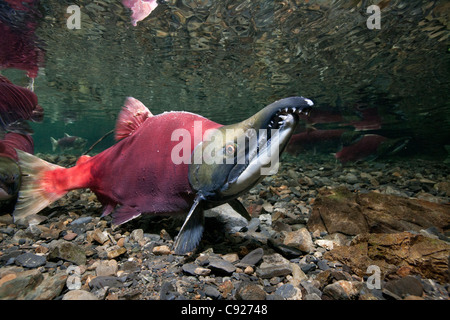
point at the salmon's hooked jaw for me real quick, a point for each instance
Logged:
(236, 157)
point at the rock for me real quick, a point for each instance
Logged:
(327, 244)
(404, 287)
(31, 285)
(49, 288)
(195, 270)
(81, 220)
(115, 251)
(390, 252)
(105, 281)
(17, 285)
(230, 257)
(6, 219)
(70, 236)
(226, 288)
(274, 265)
(335, 211)
(33, 231)
(343, 290)
(199, 271)
(161, 250)
(297, 275)
(220, 266)
(312, 296)
(311, 287)
(137, 235)
(323, 264)
(168, 291)
(443, 187)
(212, 292)
(351, 178)
(299, 239)
(289, 292)
(286, 251)
(79, 295)
(30, 260)
(107, 268)
(232, 220)
(340, 210)
(189, 268)
(100, 236)
(249, 270)
(67, 251)
(250, 291)
(252, 258)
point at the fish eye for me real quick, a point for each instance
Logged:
(230, 149)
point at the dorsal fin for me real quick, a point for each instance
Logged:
(83, 159)
(133, 114)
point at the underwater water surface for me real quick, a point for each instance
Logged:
(226, 60)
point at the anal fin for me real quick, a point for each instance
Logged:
(124, 214)
(192, 229)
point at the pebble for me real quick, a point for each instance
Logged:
(100, 236)
(249, 270)
(67, 251)
(342, 290)
(30, 260)
(81, 220)
(404, 287)
(107, 268)
(273, 265)
(70, 236)
(250, 291)
(113, 253)
(252, 258)
(137, 235)
(220, 266)
(289, 292)
(161, 250)
(212, 292)
(299, 239)
(79, 295)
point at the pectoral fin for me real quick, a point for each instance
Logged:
(239, 208)
(192, 229)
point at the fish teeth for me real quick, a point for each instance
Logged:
(282, 116)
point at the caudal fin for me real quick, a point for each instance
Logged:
(37, 189)
(54, 143)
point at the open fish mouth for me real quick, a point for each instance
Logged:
(261, 158)
(280, 117)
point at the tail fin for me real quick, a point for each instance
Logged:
(36, 191)
(54, 143)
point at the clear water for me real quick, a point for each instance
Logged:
(227, 59)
